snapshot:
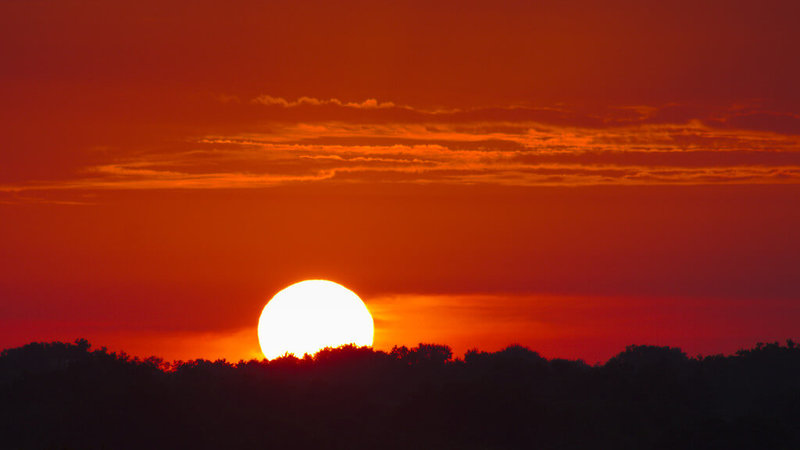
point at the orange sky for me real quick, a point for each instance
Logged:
(572, 176)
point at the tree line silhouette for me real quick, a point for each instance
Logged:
(68, 396)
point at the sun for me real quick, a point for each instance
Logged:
(311, 315)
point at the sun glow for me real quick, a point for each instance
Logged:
(311, 315)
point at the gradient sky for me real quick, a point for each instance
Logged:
(573, 176)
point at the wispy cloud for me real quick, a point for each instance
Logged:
(370, 103)
(568, 326)
(624, 146)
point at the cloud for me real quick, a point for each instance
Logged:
(15, 198)
(734, 117)
(566, 326)
(370, 103)
(232, 344)
(637, 145)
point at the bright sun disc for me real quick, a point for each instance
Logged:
(311, 315)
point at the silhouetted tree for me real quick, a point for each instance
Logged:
(425, 354)
(67, 395)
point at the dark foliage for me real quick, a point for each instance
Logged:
(66, 396)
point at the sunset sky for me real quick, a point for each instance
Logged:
(573, 176)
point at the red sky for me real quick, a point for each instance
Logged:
(571, 176)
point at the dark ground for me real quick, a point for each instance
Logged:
(65, 396)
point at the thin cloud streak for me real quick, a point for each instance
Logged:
(370, 103)
(567, 326)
